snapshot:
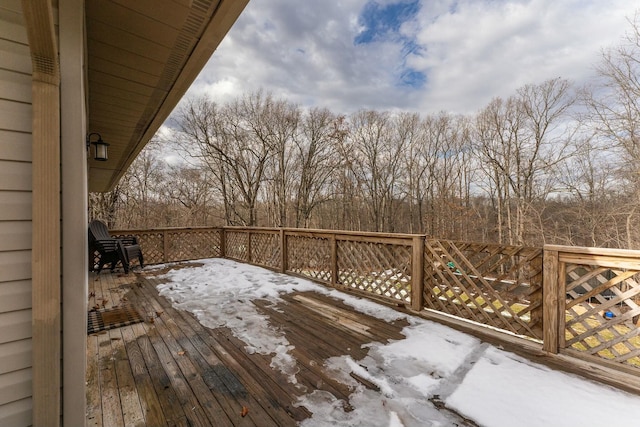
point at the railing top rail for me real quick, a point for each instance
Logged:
(356, 233)
(491, 245)
(272, 230)
(580, 250)
(319, 231)
(151, 230)
(251, 229)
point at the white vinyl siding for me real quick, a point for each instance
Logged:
(15, 217)
(14, 355)
(15, 116)
(16, 205)
(15, 325)
(15, 176)
(15, 146)
(14, 295)
(16, 235)
(15, 265)
(17, 413)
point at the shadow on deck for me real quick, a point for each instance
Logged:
(170, 370)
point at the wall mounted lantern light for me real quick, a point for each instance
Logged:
(101, 147)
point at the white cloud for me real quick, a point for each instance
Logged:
(490, 49)
(304, 51)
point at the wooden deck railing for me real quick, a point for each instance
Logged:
(161, 245)
(581, 302)
(592, 301)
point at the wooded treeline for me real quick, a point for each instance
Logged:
(552, 163)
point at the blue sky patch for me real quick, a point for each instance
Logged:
(412, 78)
(380, 21)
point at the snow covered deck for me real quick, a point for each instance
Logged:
(170, 370)
(229, 344)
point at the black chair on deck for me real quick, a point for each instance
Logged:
(112, 250)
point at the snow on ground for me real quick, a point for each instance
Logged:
(492, 387)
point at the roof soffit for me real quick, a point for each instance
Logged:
(142, 57)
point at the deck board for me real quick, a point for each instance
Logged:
(109, 391)
(94, 403)
(149, 401)
(172, 371)
(129, 397)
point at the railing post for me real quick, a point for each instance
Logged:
(334, 260)
(417, 273)
(249, 247)
(550, 301)
(223, 243)
(284, 255)
(562, 302)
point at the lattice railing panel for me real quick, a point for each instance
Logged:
(378, 268)
(309, 256)
(496, 285)
(603, 312)
(179, 244)
(152, 245)
(265, 249)
(192, 244)
(237, 245)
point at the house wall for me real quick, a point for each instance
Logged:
(15, 217)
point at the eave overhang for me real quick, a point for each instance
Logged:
(142, 57)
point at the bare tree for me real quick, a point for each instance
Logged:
(574, 215)
(374, 157)
(445, 153)
(191, 191)
(316, 162)
(229, 142)
(201, 138)
(409, 133)
(106, 206)
(521, 144)
(273, 126)
(615, 99)
(613, 104)
(140, 189)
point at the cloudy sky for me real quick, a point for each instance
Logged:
(415, 55)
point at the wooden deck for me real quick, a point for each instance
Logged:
(172, 371)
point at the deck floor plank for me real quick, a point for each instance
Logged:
(226, 388)
(94, 402)
(167, 397)
(242, 376)
(324, 340)
(129, 397)
(381, 329)
(232, 382)
(172, 337)
(310, 352)
(275, 386)
(173, 371)
(186, 396)
(151, 407)
(111, 408)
